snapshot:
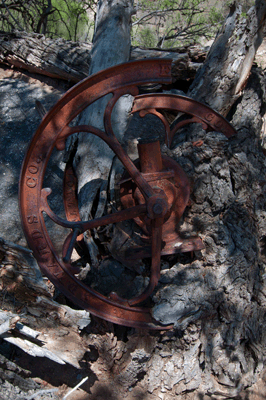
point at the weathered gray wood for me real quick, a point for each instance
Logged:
(93, 159)
(7, 322)
(58, 58)
(216, 299)
(20, 273)
(186, 61)
(21, 278)
(223, 76)
(10, 371)
(70, 61)
(31, 348)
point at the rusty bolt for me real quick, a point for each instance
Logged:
(157, 209)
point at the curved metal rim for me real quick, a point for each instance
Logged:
(187, 105)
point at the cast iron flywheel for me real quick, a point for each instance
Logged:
(154, 191)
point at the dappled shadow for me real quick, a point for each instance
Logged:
(18, 122)
(47, 370)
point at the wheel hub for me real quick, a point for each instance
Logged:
(170, 182)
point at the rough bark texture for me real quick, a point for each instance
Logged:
(70, 61)
(217, 299)
(222, 78)
(58, 58)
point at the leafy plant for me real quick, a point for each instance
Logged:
(70, 19)
(176, 22)
(147, 37)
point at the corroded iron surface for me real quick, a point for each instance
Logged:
(154, 191)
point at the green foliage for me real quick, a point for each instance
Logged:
(215, 15)
(147, 37)
(69, 19)
(157, 23)
(176, 22)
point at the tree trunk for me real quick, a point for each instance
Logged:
(70, 61)
(221, 79)
(35, 53)
(111, 46)
(216, 299)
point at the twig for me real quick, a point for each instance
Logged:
(6, 244)
(40, 108)
(11, 15)
(75, 388)
(25, 330)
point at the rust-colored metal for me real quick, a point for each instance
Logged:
(197, 112)
(154, 192)
(177, 191)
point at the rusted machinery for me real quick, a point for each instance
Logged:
(154, 190)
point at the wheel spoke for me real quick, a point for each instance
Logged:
(83, 226)
(132, 89)
(155, 263)
(159, 183)
(114, 144)
(71, 245)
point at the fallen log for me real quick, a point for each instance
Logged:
(62, 59)
(35, 53)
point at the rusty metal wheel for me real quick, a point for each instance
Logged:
(154, 192)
